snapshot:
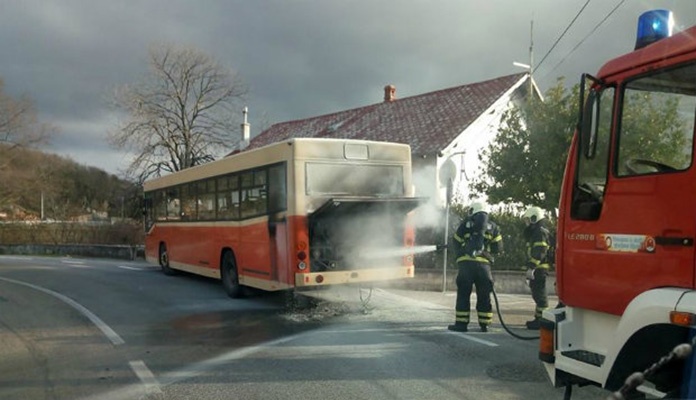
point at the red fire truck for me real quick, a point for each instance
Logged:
(625, 257)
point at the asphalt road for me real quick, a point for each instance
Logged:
(105, 329)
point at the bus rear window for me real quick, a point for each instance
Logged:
(354, 180)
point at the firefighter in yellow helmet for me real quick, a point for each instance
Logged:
(538, 240)
(477, 240)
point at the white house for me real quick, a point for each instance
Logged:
(446, 129)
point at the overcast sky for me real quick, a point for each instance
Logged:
(299, 58)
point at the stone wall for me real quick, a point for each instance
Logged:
(505, 281)
(123, 252)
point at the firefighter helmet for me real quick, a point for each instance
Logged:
(477, 207)
(534, 214)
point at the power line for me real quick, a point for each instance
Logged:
(563, 34)
(585, 38)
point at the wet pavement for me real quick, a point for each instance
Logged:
(385, 303)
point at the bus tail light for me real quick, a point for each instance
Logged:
(319, 278)
(682, 318)
(546, 341)
(301, 255)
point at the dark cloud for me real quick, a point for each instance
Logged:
(300, 58)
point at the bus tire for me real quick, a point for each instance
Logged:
(230, 276)
(164, 260)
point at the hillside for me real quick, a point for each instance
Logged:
(70, 191)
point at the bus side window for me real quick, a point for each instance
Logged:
(261, 191)
(277, 197)
(173, 204)
(206, 200)
(188, 202)
(228, 197)
(253, 199)
(148, 210)
(159, 205)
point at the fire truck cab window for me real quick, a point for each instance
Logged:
(593, 162)
(657, 123)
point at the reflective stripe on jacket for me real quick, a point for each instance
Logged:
(537, 238)
(478, 239)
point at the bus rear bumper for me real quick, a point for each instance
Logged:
(352, 276)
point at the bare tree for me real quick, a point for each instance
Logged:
(182, 115)
(19, 126)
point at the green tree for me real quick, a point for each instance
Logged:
(525, 162)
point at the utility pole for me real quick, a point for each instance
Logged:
(531, 55)
(529, 67)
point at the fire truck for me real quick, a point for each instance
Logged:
(625, 256)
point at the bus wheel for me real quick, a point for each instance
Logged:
(164, 260)
(230, 277)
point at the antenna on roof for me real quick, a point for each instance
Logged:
(246, 130)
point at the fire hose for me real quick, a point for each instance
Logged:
(502, 322)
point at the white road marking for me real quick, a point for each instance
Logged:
(146, 376)
(23, 258)
(435, 329)
(474, 339)
(356, 330)
(651, 391)
(202, 367)
(137, 268)
(108, 332)
(74, 262)
(191, 371)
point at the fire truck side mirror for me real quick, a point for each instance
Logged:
(589, 116)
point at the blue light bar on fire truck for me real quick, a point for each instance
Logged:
(652, 26)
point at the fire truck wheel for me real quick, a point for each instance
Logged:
(230, 277)
(164, 260)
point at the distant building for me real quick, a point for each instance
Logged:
(449, 124)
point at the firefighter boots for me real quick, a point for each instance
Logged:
(533, 325)
(458, 327)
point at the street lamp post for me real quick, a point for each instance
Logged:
(448, 172)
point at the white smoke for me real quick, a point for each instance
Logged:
(430, 215)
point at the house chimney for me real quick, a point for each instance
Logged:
(389, 93)
(246, 131)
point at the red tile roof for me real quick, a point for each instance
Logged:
(428, 122)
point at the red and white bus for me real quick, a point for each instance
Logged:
(298, 213)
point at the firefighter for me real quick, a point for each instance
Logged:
(477, 239)
(538, 239)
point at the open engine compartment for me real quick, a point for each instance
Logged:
(354, 233)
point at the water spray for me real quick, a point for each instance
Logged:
(396, 252)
